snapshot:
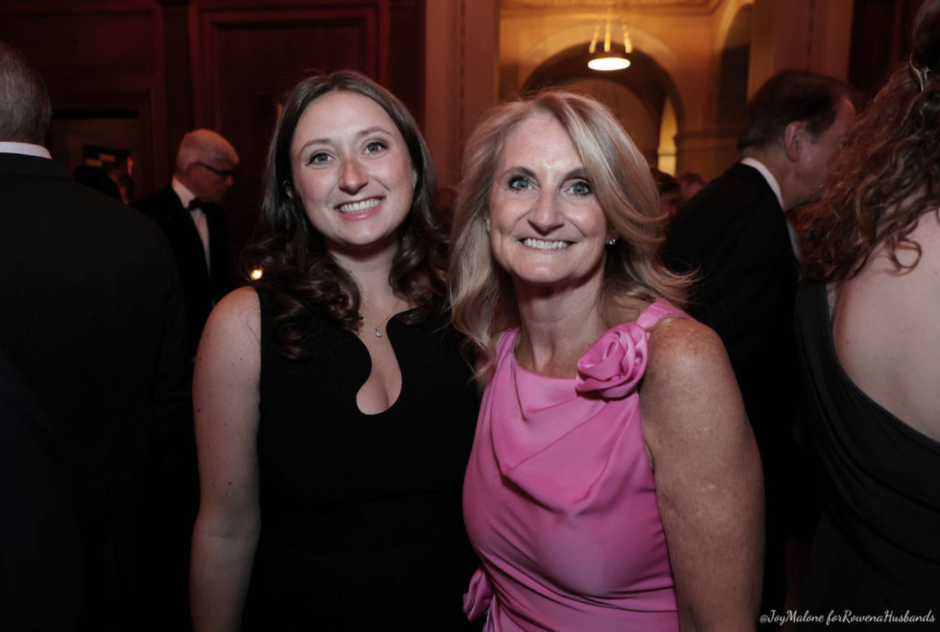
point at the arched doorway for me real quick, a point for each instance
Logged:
(638, 94)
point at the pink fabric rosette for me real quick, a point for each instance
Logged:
(615, 363)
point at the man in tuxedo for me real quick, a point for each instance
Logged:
(91, 319)
(735, 236)
(188, 212)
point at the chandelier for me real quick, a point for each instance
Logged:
(608, 57)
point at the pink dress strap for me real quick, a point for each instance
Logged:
(656, 312)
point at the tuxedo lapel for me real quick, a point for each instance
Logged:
(184, 236)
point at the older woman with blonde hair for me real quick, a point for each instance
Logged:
(614, 482)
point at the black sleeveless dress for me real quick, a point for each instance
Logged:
(361, 523)
(877, 547)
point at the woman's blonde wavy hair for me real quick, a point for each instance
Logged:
(482, 298)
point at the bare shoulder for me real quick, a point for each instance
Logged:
(230, 345)
(683, 351)
(241, 306)
(237, 318)
(689, 389)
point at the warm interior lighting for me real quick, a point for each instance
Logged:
(607, 59)
(609, 63)
(256, 274)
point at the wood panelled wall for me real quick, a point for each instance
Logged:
(881, 39)
(221, 64)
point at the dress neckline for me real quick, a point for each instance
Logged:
(643, 320)
(826, 314)
(389, 324)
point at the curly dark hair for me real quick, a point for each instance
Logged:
(304, 279)
(889, 173)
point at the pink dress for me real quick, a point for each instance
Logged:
(559, 499)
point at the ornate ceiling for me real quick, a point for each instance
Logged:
(671, 6)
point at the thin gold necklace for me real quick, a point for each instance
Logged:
(378, 331)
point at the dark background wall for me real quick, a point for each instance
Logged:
(881, 39)
(176, 65)
(158, 68)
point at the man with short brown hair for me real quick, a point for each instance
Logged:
(734, 234)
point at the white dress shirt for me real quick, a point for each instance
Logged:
(775, 187)
(25, 149)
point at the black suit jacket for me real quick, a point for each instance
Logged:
(38, 529)
(735, 235)
(91, 316)
(202, 287)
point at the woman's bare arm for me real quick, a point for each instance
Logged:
(225, 404)
(709, 482)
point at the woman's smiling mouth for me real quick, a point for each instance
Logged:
(542, 244)
(359, 207)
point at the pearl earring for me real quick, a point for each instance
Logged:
(611, 241)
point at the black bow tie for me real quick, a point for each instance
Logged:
(196, 203)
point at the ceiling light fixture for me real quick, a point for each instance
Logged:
(607, 59)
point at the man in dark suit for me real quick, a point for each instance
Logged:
(38, 529)
(735, 235)
(188, 211)
(91, 318)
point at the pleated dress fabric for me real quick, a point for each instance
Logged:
(559, 498)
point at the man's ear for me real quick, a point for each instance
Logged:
(793, 137)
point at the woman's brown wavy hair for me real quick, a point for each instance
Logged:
(304, 279)
(889, 173)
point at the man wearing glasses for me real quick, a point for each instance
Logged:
(188, 211)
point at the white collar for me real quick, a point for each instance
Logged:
(769, 177)
(186, 196)
(25, 149)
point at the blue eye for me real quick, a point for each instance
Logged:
(519, 183)
(581, 188)
(375, 147)
(319, 157)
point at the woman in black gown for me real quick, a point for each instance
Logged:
(334, 414)
(869, 342)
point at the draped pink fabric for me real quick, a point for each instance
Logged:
(559, 499)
